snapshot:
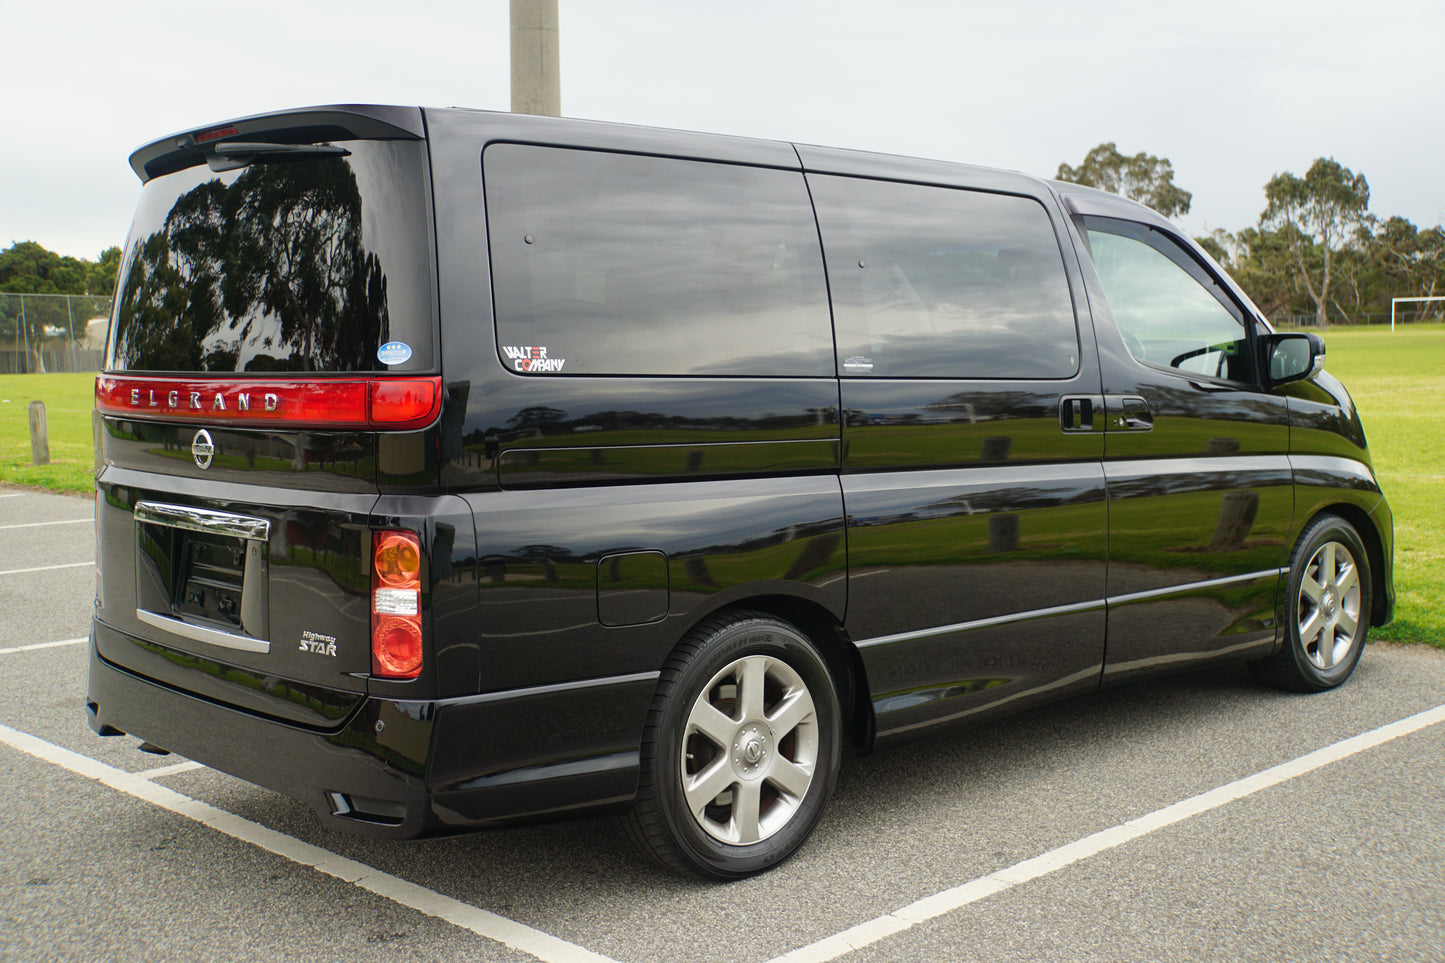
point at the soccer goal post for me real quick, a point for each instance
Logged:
(1395, 301)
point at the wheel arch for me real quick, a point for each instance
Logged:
(824, 630)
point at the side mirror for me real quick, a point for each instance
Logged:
(1293, 357)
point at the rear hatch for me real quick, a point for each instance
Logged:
(271, 363)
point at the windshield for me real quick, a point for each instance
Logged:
(313, 263)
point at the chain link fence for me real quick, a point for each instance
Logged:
(1422, 313)
(52, 332)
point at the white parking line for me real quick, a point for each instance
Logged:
(45, 568)
(171, 770)
(551, 949)
(63, 521)
(45, 645)
(865, 934)
(518, 936)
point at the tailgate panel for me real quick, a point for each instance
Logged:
(208, 589)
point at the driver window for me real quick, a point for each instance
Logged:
(1167, 317)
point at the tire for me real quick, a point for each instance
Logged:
(740, 751)
(1330, 594)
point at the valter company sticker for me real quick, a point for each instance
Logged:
(532, 358)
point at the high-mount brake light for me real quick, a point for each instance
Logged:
(216, 134)
(396, 637)
(375, 404)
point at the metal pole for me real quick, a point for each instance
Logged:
(25, 328)
(536, 83)
(70, 320)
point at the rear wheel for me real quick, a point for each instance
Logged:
(740, 751)
(1329, 609)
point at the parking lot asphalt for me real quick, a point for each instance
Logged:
(1188, 818)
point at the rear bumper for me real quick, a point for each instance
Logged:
(405, 769)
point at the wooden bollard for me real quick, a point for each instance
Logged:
(39, 435)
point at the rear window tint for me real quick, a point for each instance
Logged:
(319, 265)
(934, 282)
(622, 264)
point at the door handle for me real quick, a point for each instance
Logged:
(1133, 414)
(1079, 413)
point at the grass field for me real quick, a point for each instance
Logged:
(68, 399)
(1398, 381)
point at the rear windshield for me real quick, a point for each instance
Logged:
(319, 264)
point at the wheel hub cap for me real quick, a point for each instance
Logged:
(751, 749)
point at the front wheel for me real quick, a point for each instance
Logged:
(740, 751)
(1329, 609)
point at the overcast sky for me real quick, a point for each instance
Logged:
(1231, 91)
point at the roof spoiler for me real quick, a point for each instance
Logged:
(306, 126)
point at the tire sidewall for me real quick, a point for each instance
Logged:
(745, 637)
(1329, 529)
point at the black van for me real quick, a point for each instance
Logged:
(460, 467)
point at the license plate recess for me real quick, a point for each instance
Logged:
(202, 574)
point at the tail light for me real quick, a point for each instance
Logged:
(396, 646)
(375, 404)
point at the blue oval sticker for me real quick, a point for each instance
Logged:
(394, 352)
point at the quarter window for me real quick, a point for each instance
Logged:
(936, 282)
(623, 264)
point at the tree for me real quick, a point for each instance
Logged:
(100, 276)
(1411, 263)
(1143, 178)
(28, 268)
(1260, 263)
(1319, 210)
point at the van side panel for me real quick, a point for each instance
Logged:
(1003, 570)
(973, 430)
(612, 513)
(547, 557)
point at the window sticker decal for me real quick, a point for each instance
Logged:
(857, 364)
(394, 352)
(532, 358)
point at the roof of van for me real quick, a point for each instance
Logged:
(341, 121)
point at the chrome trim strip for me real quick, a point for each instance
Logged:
(196, 633)
(1195, 586)
(1070, 609)
(553, 688)
(203, 520)
(983, 623)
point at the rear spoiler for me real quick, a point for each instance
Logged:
(306, 126)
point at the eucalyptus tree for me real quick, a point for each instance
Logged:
(1321, 211)
(1142, 177)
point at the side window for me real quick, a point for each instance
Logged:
(623, 264)
(1165, 305)
(938, 282)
